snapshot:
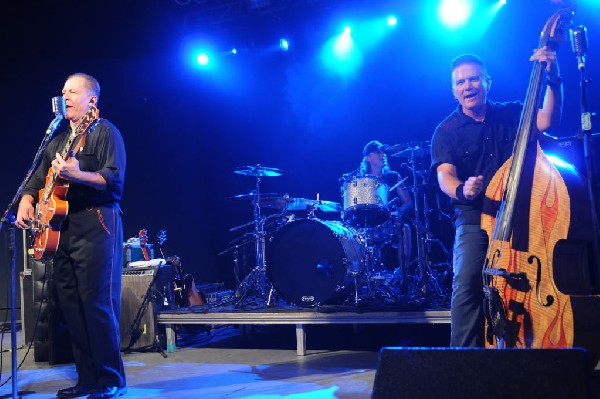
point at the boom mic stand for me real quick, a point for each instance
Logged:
(579, 45)
(8, 219)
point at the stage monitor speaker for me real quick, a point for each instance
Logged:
(481, 373)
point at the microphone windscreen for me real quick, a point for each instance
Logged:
(58, 105)
(579, 40)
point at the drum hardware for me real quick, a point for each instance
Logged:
(424, 284)
(256, 281)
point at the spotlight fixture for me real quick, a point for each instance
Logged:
(283, 43)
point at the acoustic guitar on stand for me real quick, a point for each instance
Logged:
(184, 287)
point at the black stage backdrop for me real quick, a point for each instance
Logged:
(186, 132)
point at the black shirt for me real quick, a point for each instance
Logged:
(103, 152)
(475, 148)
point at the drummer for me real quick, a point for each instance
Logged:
(375, 163)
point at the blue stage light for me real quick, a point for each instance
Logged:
(392, 21)
(284, 44)
(454, 13)
(203, 59)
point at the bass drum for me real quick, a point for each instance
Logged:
(310, 261)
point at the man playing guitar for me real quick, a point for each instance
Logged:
(85, 168)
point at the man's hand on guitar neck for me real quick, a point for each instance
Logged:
(26, 212)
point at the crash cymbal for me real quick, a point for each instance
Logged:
(257, 171)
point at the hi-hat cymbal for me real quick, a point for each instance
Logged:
(302, 204)
(258, 171)
(252, 195)
(265, 200)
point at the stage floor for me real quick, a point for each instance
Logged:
(258, 361)
(255, 362)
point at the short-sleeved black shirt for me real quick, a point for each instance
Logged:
(103, 152)
(475, 148)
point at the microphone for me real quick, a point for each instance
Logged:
(578, 36)
(59, 109)
(58, 105)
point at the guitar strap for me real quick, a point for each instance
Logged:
(79, 145)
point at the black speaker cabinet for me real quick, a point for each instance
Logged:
(51, 339)
(481, 373)
(144, 292)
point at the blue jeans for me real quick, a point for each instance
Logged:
(466, 313)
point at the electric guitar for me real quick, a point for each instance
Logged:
(52, 206)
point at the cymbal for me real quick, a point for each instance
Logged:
(410, 148)
(257, 171)
(252, 195)
(266, 200)
(302, 204)
(328, 206)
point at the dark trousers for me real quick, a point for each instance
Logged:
(466, 314)
(88, 273)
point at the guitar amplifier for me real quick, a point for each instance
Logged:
(145, 291)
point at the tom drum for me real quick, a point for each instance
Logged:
(365, 201)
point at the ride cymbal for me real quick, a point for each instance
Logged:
(257, 171)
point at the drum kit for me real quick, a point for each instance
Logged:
(364, 258)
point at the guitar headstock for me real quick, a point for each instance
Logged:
(143, 236)
(161, 237)
(90, 116)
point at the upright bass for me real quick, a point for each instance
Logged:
(531, 213)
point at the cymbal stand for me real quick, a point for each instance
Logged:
(256, 280)
(421, 272)
(429, 238)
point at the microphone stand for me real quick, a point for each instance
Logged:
(591, 179)
(8, 219)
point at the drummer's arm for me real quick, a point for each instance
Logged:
(405, 200)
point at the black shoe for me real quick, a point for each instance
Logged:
(74, 392)
(107, 392)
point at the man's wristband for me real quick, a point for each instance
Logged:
(554, 83)
(459, 192)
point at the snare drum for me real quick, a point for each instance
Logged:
(311, 261)
(365, 201)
